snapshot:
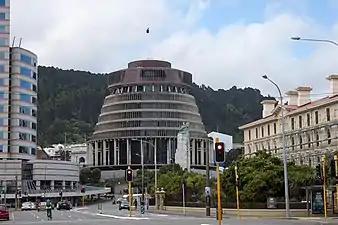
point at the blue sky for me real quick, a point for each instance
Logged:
(217, 43)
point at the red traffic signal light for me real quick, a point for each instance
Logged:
(219, 152)
(129, 175)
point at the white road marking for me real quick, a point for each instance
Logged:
(122, 217)
(13, 218)
(205, 224)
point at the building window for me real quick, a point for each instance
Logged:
(34, 126)
(293, 143)
(2, 68)
(328, 118)
(316, 117)
(2, 28)
(25, 84)
(3, 16)
(275, 128)
(3, 55)
(317, 139)
(34, 75)
(300, 122)
(309, 141)
(292, 123)
(268, 129)
(23, 149)
(1, 148)
(23, 136)
(2, 108)
(249, 134)
(34, 88)
(256, 132)
(262, 131)
(25, 71)
(24, 110)
(23, 123)
(3, 42)
(2, 81)
(300, 142)
(26, 59)
(33, 151)
(2, 94)
(34, 100)
(25, 97)
(308, 119)
(33, 138)
(34, 112)
(2, 121)
(2, 2)
(328, 136)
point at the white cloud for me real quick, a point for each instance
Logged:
(103, 35)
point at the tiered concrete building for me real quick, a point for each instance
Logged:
(148, 101)
(311, 126)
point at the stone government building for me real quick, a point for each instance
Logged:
(147, 101)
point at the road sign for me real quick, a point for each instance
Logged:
(142, 209)
(207, 191)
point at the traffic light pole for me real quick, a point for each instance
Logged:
(336, 173)
(207, 184)
(219, 209)
(130, 198)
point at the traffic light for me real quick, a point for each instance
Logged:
(129, 175)
(219, 152)
(83, 189)
(319, 171)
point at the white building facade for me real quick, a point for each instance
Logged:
(311, 127)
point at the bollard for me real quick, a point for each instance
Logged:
(99, 208)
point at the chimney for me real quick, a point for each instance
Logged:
(333, 84)
(268, 107)
(303, 95)
(292, 97)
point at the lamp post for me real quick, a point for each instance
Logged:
(286, 182)
(316, 40)
(142, 163)
(155, 157)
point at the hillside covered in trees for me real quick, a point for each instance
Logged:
(70, 102)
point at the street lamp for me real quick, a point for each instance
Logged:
(311, 39)
(286, 182)
(155, 157)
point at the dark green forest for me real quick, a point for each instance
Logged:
(70, 102)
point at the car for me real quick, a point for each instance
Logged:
(28, 206)
(4, 212)
(124, 204)
(64, 205)
(42, 206)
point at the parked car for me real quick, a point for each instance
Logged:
(124, 204)
(28, 206)
(4, 212)
(64, 205)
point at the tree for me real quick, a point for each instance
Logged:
(90, 176)
(262, 176)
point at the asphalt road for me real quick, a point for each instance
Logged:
(111, 215)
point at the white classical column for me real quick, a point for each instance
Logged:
(96, 153)
(37, 185)
(90, 153)
(115, 155)
(104, 150)
(169, 151)
(128, 152)
(203, 150)
(193, 152)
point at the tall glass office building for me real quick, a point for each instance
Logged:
(18, 95)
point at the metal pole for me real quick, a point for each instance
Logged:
(237, 193)
(315, 40)
(219, 206)
(16, 192)
(130, 198)
(324, 185)
(5, 189)
(336, 174)
(207, 183)
(286, 182)
(183, 196)
(155, 161)
(142, 161)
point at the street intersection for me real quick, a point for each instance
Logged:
(111, 215)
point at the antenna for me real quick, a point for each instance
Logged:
(13, 42)
(20, 42)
